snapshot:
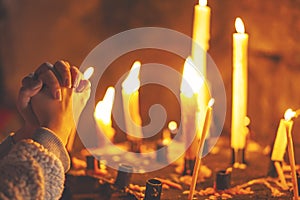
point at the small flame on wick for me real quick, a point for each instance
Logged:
(211, 102)
(239, 25)
(203, 2)
(289, 114)
(88, 73)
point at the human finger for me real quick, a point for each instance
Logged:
(62, 68)
(42, 68)
(76, 76)
(50, 81)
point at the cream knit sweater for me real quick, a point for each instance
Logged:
(34, 168)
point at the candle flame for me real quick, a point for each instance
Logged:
(289, 114)
(88, 73)
(104, 107)
(239, 25)
(203, 2)
(192, 81)
(172, 125)
(211, 102)
(132, 82)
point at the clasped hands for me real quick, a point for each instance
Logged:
(53, 97)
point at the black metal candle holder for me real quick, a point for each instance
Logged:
(223, 179)
(153, 189)
(123, 176)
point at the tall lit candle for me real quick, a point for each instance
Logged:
(201, 35)
(200, 45)
(130, 97)
(190, 87)
(103, 113)
(239, 87)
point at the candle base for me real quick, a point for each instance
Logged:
(272, 170)
(188, 167)
(238, 156)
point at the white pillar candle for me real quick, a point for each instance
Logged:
(239, 86)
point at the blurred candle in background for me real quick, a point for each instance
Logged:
(130, 97)
(239, 87)
(190, 88)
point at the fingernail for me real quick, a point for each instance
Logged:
(36, 84)
(80, 87)
(76, 82)
(58, 95)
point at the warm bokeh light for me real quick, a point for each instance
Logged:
(172, 125)
(239, 25)
(104, 107)
(192, 80)
(132, 82)
(88, 73)
(202, 2)
(166, 137)
(289, 114)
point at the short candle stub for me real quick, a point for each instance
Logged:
(153, 189)
(223, 179)
(123, 176)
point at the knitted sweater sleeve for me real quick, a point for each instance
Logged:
(34, 169)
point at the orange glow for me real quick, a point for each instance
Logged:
(104, 107)
(132, 82)
(88, 73)
(202, 2)
(192, 80)
(289, 114)
(239, 25)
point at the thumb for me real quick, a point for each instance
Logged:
(23, 103)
